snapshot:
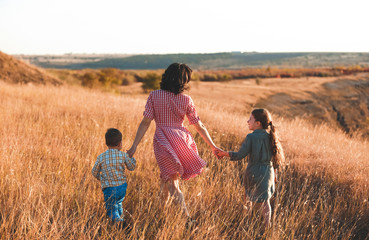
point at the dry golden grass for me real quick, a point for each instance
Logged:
(51, 136)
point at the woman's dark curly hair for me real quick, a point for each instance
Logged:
(176, 77)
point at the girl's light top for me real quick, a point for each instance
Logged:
(257, 147)
(174, 147)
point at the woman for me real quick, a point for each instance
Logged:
(174, 147)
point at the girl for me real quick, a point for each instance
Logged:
(265, 155)
(174, 147)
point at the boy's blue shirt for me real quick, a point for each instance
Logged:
(109, 167)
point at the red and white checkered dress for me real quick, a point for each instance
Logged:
(174, 147)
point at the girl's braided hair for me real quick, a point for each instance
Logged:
(264, 117)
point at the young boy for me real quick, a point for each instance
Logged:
(109, 170)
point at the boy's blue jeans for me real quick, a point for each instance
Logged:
(114, 197)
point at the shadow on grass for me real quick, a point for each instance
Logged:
(319, 206)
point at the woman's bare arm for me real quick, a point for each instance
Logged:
(144, 125)
(201, 129)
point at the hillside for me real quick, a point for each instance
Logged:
(341, 102)
(227, 60)
(15, 71)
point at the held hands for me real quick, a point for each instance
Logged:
(222, 154)
(215, 151)
(219, 153)
(131, 151)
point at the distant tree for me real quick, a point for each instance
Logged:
(218, 76)
(257, 81)
(90, 80)
(195, 77)
(151, 81)
(109, 76)
(209, 77)
(128, 79)
(224, 77)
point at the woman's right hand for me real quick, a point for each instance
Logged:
(131, 151)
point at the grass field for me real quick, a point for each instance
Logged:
(50, 137)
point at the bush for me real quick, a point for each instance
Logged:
(209, 77)
(109, 76)
(151, 81)
(224, 77)
(257, 81)
(196, 77)
(90, 80)
(128, 79)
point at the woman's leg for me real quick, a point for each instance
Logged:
(178, 195)
(164, 191)
(172, 186)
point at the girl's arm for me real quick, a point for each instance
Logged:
(244, 150)
(201, 129)
(144, 125)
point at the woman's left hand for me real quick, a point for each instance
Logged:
(222, 154)
(216, 152)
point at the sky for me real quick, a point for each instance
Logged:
(187, 26)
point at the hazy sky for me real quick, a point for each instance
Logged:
(187, 26)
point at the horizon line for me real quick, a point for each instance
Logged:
(178, 53)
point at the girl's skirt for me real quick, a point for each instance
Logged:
(259, 182)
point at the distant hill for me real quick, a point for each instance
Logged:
(16, 71)
(228, 60)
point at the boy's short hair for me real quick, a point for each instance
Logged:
(113, 137)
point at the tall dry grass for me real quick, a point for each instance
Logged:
(51, 136)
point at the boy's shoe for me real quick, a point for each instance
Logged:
(118, 220)
(121, 223)
(190, 223)
(125, 225)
